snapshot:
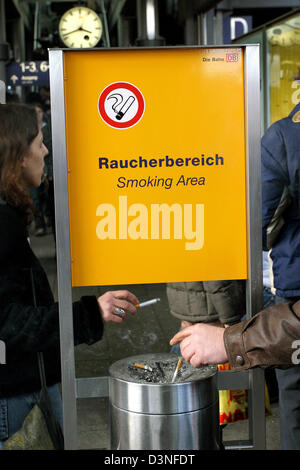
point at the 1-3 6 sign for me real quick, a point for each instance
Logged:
(28, 73)
(34, 67)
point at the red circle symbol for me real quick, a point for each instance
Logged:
(121, 105)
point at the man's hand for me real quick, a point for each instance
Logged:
(201, 344)
(113, 301)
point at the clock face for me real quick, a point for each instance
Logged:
(80, 27)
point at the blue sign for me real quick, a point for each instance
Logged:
(28, 73)
(235, 26)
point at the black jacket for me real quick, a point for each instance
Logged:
(25, 329)
(281, 202)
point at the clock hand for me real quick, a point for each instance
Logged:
(78, 29)
(74, 31)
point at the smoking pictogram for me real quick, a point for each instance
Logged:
(121, 105)
(118, 107)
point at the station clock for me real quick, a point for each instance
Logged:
(80, 27)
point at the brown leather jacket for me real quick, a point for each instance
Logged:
(270, 338)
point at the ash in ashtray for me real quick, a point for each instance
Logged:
(159, 368)
(160, 372)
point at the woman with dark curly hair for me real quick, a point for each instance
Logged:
(24, 328)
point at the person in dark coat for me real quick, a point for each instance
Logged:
(25, 329)
(281, 237)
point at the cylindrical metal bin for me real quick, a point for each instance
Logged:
(149, 412)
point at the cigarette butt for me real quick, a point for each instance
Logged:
(142, 366)
(179, 362)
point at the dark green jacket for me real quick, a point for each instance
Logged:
(207, 301)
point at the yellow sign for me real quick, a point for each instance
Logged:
(156, 162)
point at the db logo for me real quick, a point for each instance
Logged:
(232, 57)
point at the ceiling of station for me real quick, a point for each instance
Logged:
(172, 15)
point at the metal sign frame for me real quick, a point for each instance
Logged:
(253, 380)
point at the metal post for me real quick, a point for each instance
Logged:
(106, 30)
(63, 249)
(2, 92)
(3, 52)
(203, 28)
(218, 28)
(255, 283)
(147, 17)
(36, 33)
(254, 291)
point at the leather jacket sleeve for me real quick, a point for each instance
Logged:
(270, 338)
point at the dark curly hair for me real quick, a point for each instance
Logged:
(18, 128)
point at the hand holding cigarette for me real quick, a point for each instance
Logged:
(114, 305)
(201, 344)
(122, 313)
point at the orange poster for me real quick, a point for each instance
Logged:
(156, 165)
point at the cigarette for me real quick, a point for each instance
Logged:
(142, 366)
(177, 369)
(148, 302)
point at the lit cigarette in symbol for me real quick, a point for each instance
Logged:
(177, 369)
(142, 366)
(125, 107)
(148, 302)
